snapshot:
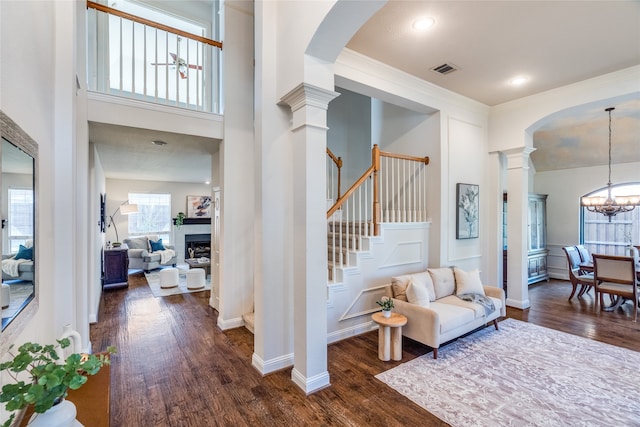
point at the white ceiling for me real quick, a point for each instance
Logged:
(552, 43)
(128, 153)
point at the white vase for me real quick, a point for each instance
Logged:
(386, 313)
(61, 415)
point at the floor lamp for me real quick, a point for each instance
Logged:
(125, 209)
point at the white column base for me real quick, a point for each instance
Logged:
(310, 385)
(518, 304)
(273, 365)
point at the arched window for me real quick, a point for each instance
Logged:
(600, 236)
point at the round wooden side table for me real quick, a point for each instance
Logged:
(389, 335)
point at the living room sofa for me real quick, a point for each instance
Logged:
(436, 314)
(24, 268)
(141, 256)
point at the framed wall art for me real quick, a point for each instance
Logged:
(467, 213)
(198, 206)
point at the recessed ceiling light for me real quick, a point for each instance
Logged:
(158, 142)
(423, 24)
(517, 81)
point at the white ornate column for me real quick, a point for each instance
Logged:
(309, 138)
(517, 226)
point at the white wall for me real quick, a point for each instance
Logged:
(118, 191)
(29, 46)
(349, 134)
(449, 128)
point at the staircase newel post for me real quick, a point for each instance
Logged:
(375, 161)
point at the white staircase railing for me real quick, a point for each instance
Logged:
(392, 190)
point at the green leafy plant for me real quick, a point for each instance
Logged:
(180, 219)
(386, 303)
(50, 378)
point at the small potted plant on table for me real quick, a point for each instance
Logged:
(50, 379)
(387, 304)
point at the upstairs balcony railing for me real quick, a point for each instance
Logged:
(137, 58)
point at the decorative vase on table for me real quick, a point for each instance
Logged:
(62, 414)
(386, 313)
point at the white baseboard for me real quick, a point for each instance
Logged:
(272, 365)
(230, 324)
(310, 385)
(350, 332)
(518, 304)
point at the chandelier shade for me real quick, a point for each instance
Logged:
(611, 205)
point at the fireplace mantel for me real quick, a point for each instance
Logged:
(194, 221)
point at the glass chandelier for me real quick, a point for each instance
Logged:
(611, 205)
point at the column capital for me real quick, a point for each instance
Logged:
(308, 95)
(518, 157)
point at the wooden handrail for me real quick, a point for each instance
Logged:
(134, 18)
(424, 160)
(350, 191)
(338, 162)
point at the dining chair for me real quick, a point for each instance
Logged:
(616, 276)
(584, 253)
(577, 277)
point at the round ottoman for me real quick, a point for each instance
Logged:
(5, 297)
(168, 278)
(195, 278)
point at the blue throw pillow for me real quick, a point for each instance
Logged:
(24, 253)
(156, 246)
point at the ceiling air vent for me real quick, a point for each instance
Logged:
(445, 68)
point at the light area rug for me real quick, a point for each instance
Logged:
(524, 375)
(153, 279)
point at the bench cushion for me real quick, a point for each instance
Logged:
(452, 316)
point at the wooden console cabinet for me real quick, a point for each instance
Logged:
(115, 267)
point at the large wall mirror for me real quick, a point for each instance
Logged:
(18, 243)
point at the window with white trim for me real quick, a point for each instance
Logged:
(20, 224)
(153, 217)
(600, 236)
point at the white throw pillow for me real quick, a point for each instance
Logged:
(443, 282)
(424, 279)
(417, 293)
(468, 282)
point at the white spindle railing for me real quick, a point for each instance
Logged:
(403, 186)
(146, 62)
(399, 193)
(348, 226)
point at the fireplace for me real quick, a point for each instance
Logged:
(200, 244)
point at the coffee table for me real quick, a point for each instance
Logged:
(196, 263)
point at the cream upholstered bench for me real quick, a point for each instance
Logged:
(168, 278)
(195, 278)
(5, 298)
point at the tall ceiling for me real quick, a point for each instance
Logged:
(551, 43)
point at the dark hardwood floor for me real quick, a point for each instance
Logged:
(174, 367)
